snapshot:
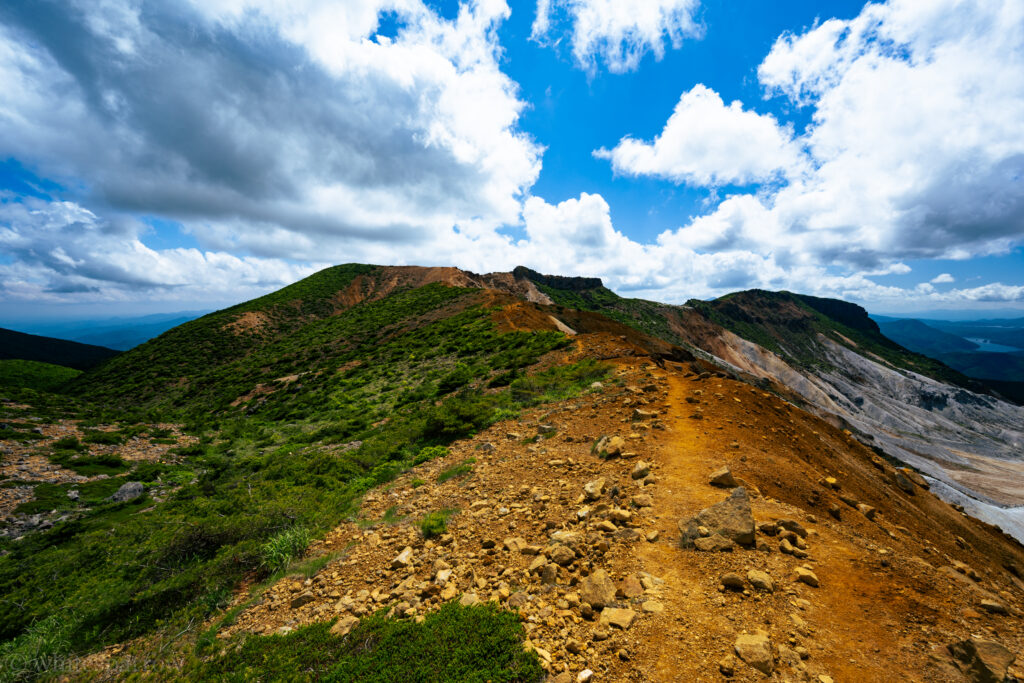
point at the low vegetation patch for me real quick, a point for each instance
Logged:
(454, 644)
(460, 470)
(283, 547)
(435, 523)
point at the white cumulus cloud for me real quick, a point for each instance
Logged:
(616, 33)
(706, 142)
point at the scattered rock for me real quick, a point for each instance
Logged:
(404, 559)
(805, 575)
(727, 666)
(723, 478)
(640, 470)
(643, 500)
(993, 607)
(344, 625)
(469, 599)
(867, 510)
(903, 482)
(760, 580)
(594, 489)
(301, 599)
(652, 607)
(755, 649)
(597, 590)
(732, 581)
(617, 617)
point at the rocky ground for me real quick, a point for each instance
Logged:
(24, 464)
(674, 525)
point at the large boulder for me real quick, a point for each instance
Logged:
(982, 661)
(128, 491)
(756, 650)
(731, 519)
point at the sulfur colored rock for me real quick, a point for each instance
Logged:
(713, 544)
(643, 500)
(867, 510)
(652, 607)
(469, 599)
(730, 519)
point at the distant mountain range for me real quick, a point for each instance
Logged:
(990, 350)
(121, 333)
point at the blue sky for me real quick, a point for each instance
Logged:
(174, 155)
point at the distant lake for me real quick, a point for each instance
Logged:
(986, 345)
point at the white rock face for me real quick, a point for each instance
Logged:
(971, 444)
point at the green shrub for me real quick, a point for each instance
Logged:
(69, 443)
(429, 453)
(101, 437)
(278, 552)
(435, 523)
(416, 483)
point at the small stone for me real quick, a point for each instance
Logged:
(731, 519)
(723, 478)
(617, 617)
(593, 489)
(714, 543)
(518, 599)
(469, 599)
(760, 580)
(732, 581)
(301, 599)
(573, 646)
(584, 676)
(563, 555)
(640, 470)
(804, 575)
(727, 666)
(404, 559)
(993, 607)
(652, 536)
(643, 500)
(652, 607)
(631, 586)
(344, 626)
(597, 590)
(866, 510)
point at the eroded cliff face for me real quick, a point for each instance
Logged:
(971, 444)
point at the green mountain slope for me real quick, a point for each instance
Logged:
(20, 346)
(301, 401)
